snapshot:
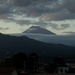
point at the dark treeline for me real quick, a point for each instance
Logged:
(31, 63)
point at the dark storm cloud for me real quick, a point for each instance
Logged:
(22, 2)
(4, 10)
(5, 7)
(46, 10)
(69, 4)
(35, 8)
(38, 11)
(29, 2)
(63, 15)
(51, 9)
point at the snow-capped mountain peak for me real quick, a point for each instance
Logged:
(38, 30)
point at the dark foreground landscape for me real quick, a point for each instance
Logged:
(12, 44)
(23, 55)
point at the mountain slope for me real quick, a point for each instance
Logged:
(38, 30)
(12, 44)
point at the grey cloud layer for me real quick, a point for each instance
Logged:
(45, 10)
(30, 2)
(55, 9)
(61, 27)
(70, 5)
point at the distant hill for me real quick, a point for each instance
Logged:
(12, 44)
(38, 30)
(56, 39)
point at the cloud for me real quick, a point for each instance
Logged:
(66, 4)
(23, 22)
(59, 27)
(31, 12)
(4, 10)
(22, 2)
(4, 17)
(35, 8)
(70, 33)
(54, 26)
(44, 10)
(62, 10)
(30, 22)
(38, 22)
(58, 16)
(70, 5)
(65, 25)
(2, 28)
(56, 39)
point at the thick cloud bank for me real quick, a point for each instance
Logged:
(56, 39)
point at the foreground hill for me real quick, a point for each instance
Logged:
(12, 44)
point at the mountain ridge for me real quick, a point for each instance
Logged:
(13, 44)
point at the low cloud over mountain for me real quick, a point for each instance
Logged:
(68, 39)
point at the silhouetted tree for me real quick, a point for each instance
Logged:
(59, 61)
(32, 62)
(8, 62)
(19, 60)
(51, 68)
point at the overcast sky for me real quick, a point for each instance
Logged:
(57, 16)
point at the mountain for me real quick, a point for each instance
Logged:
(12, 44)
(56, 39)
(38, 30)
